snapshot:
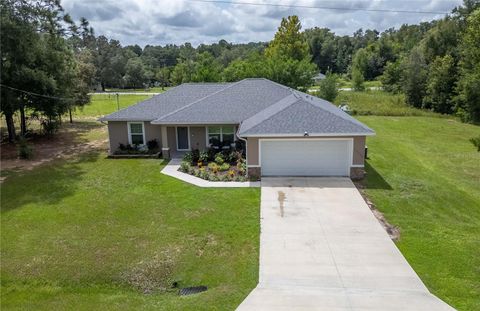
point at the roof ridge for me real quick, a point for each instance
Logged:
(194, 102)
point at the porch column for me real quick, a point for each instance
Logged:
(165, 149)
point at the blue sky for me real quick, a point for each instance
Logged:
(158, 22)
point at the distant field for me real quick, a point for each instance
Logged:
(379, 103)
(104, 104)
(156, 89)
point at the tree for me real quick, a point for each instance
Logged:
(136, 74)
(415, 78)
(206, 69)
(252, 67)
(163, 76)
(358, 79)
(328, 87)
(469, 81)
(392, 77)
(288, 58)
(441, 85)
(289, 41)
(39, 70)
(359, 67)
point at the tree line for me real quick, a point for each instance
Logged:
(435, 64)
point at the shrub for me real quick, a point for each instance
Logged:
(242, 167)
(50, 126)
(185, 167)
(229, 156)
(476, 142)
(188, 157)
(203, 173)
(219, 158)
(152, 145)
(213, 177)
(195, 155)
(25, 151)
(213, 167)
(224, 167)
(204, 156)
(328, 87)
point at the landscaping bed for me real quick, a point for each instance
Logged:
(135, 156)
(150, 150)
(215, 165)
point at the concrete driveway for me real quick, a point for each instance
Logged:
(321, 248)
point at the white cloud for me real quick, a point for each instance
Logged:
(158, 22)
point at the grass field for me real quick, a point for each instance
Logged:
(379, 103)
(156, 89)
(100, 234)
(101, 104)
(424, 175)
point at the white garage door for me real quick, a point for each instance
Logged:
(307, 157)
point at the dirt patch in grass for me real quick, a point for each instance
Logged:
(154, 275)
(393, 231)
(72, 139)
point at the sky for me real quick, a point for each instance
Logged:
(160, 22)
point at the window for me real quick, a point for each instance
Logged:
(136, 133)
(220, 134)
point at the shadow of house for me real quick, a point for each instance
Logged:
(374, 180)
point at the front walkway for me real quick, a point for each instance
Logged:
(321, 248)
(171, 169)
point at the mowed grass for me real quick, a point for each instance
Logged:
(156, 89)
(100, 234)
(379, 103)
(424, 175)
(103, 104)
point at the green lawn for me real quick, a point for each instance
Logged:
(156, 89)
(424, 175)
(97, 234)
(102, 104)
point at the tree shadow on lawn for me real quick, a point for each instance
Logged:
(374, 180)
(47, 184)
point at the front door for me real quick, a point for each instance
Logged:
(183, 142)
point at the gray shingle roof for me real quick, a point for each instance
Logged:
(165, 103)
(233, 104)
(260, 106)
(304, 114)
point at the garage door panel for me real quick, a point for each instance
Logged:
(305, 157)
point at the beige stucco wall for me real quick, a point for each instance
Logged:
(153, 131)
(118, 133)
(358, 149)
(198, 138)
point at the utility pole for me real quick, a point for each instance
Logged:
(118, 104)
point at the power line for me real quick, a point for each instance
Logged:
(317, 7)
(36, 94)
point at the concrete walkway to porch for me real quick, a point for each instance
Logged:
(171, 169)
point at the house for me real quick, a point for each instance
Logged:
(286, 132)
(318, 77)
